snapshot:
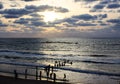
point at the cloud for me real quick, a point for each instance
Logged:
(104, 2)
(85, 0)
(25, 0)
(2, 25)
(70, 20)
(114, 20)
(1, 6)
(19, 12)
(104, 5)
(114, 5)
(11, 16)
(38, 23)
(31, 22)
(28, 0)
(85, 17)
(85, 24)
(90, 17)
(46, 8)
(81, 20)
(21, 21)
(15, 13)
(99, 6)
(36, 15)
(60, 9)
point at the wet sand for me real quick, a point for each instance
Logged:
(11, 80)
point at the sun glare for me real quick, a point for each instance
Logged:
(50, 16)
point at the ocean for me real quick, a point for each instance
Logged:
(95, 61)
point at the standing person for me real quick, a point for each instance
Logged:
(15, 74)
(40, 75)
(52, 69)
(25, 73)
(36, 72)
(54, 77)
(64, 77)
(51, 75)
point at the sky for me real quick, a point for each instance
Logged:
(59, 18)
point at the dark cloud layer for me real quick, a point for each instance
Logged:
(85, 17)
(114, 20)
(99, 6)
(114, 5)
(21, 21)
(90, 17)
(86, 24)
(11, 16)
(82, 20)
(32, 23)
(19, 12)
(107, 4)
(45, 8)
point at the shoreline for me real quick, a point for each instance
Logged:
(12, 80)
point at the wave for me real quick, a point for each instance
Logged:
(60, 42)
(91, 72)
(99, 55)
(21, 52)
(21, 55)
(97, 62)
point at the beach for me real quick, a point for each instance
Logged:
(11, 80)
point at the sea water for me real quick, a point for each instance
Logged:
(95, 61)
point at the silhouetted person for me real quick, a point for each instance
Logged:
(52, 69)
(47, 73)
(64, 77)
(25, 73)
(40, 75)
(54, 77)
(57, 65)
(51, 75)
(15, 74)
(36, 72)
(48, 70)
(71, 63)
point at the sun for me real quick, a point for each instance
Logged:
(50, 16)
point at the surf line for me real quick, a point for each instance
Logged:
(91, 72)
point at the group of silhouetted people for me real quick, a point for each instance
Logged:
(62, 63)
(49, 72)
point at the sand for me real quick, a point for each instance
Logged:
(11, 80)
